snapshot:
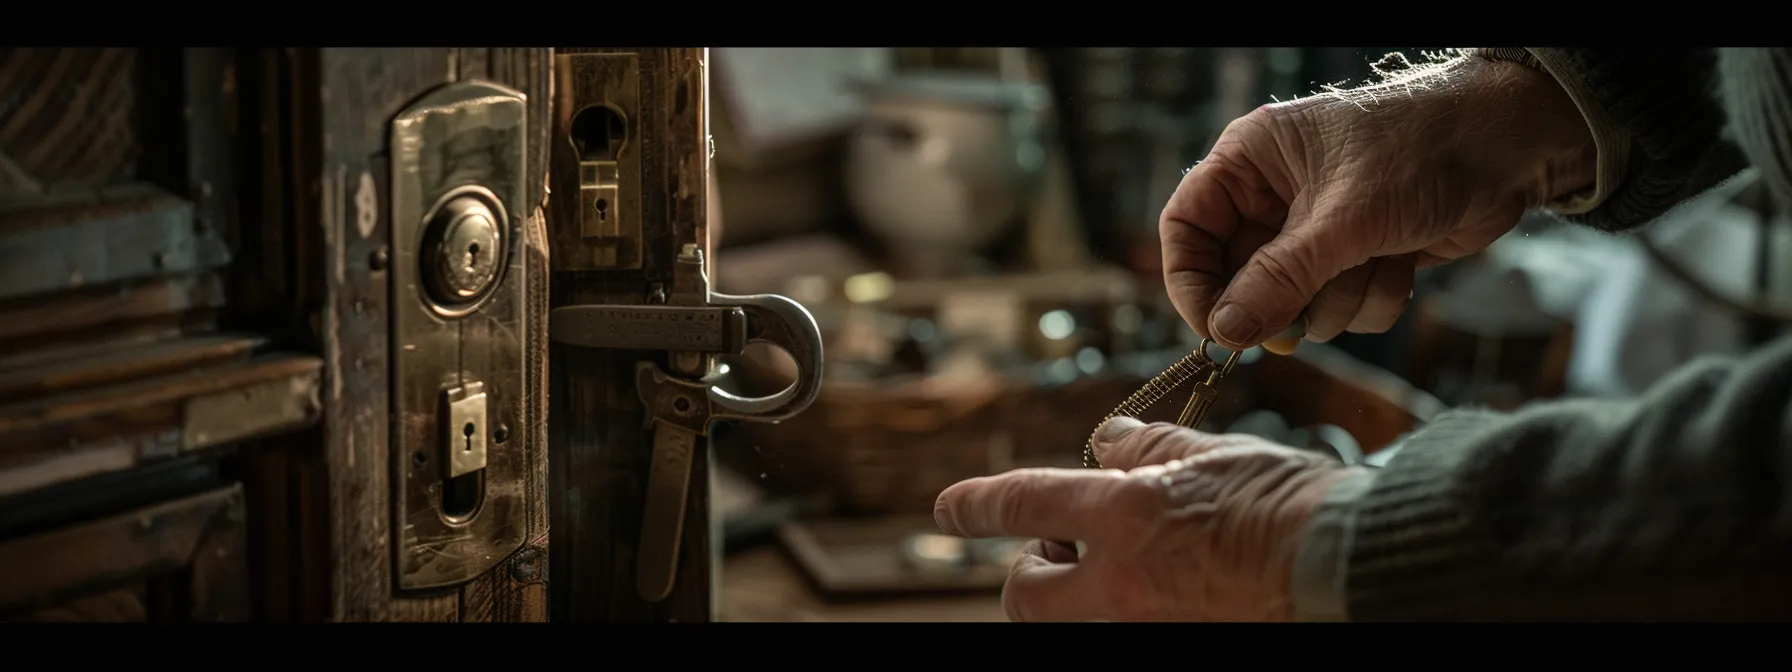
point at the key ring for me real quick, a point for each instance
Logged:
(1207, 360)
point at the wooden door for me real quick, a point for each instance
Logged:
(415, 179)
(235, 338)
(276, 342)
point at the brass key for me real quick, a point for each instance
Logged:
(1194, 365)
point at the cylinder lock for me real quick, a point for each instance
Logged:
(463, 250)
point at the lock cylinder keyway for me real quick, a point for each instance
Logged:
(463, 249)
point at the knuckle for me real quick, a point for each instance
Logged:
(1136, 500)
(1011, 505)
(1151, 436)
(1283, 267)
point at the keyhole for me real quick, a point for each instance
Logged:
(603, 209)
(462, 495)
(472, 259)
(598, 133)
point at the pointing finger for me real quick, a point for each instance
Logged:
(1045, 503)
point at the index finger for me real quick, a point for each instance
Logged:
(1045, 503)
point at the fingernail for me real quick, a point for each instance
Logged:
(1233, 324)
(942, 516)
(1294, 332)
(1116, 429)
(1284, 343)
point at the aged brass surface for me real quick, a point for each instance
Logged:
(607, 90)
(463, 437)
(458, 203)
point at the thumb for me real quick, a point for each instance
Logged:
(1126, 444)
(1281, 278)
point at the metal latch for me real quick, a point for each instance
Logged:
(682, 404)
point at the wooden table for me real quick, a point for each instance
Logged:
(763, 585)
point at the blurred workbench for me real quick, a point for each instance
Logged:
(763, 585)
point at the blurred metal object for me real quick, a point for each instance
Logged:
(942, 164)
(935, 552)
(939, 553)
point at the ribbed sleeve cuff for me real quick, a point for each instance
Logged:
(1412, 554)
(1609, 137)
(1318, 581)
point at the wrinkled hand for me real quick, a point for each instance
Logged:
(1183, 526)
(1321, 208)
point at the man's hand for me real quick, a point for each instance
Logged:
(1312, 215)
(1183, 526)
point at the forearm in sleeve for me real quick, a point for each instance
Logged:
(1656, 120)
(1673, 506)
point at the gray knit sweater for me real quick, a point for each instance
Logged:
(1673, 506)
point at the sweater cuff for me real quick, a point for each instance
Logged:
(1412, 554)
(1318, 580)
(1611, 140)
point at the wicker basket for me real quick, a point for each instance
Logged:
(891, 448)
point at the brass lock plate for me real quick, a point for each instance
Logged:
(458, 201)
(597, 126)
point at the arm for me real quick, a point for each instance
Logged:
(1657, 126)
(1672, 506)
(1656, 120)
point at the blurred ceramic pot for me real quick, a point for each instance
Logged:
(942, 165)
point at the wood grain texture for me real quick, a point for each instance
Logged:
(148, 234)
(598, 446)
(357, 92)
(122, 605)
(113, 366)
(59, 438)
(201, 537)
(78, 129)
(96, 319)
(344, 100)
(515, 592)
